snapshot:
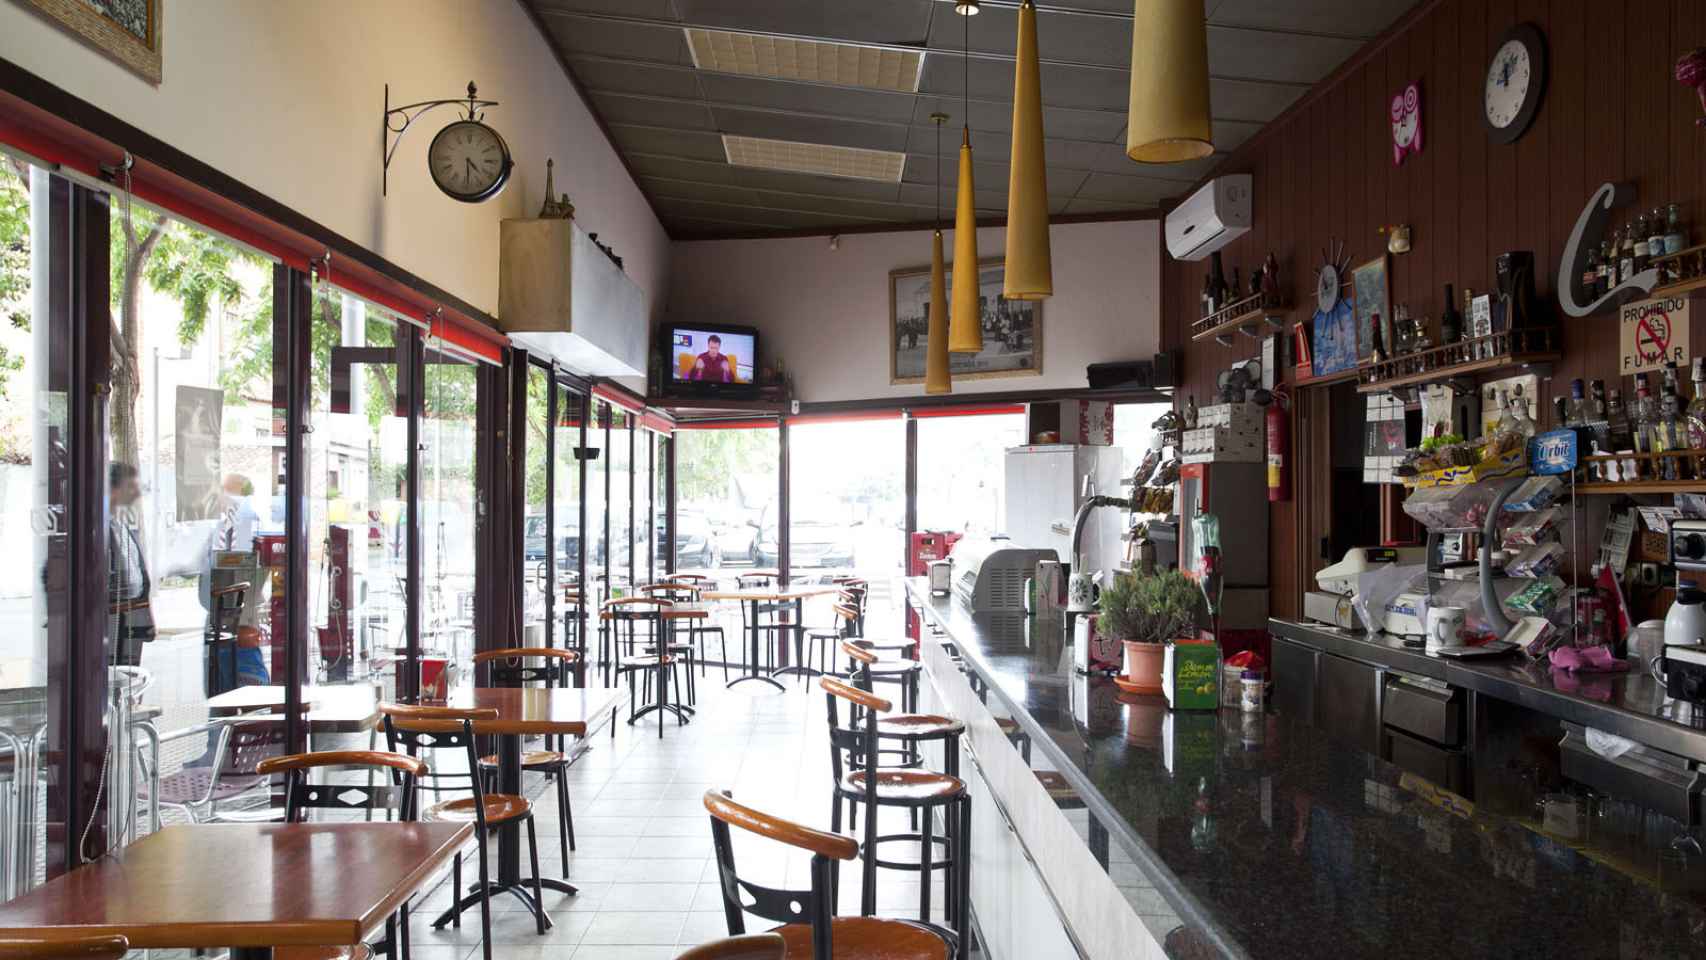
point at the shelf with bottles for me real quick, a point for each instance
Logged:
(1255, 316)
(1670, 471)
(1683, 271)
(1486, 354)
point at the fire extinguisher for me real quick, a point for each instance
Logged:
(1279, 438)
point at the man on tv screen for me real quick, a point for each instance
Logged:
(712, 365)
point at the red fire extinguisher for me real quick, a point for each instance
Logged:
(1279, 438)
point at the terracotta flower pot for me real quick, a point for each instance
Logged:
(1143, 662)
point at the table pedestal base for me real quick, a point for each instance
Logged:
(520, 890)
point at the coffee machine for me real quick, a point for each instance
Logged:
(1682, 669)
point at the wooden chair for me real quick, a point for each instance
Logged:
(53, 945)
(419, 728)
(859, 776)
(755, 946)
(508, 668)
(809, 925)
(697, 630)
(396, 797)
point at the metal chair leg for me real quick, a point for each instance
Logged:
(538, 885)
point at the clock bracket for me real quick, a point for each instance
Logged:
(398, 120)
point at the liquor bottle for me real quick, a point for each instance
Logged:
(1207, 295)
(1607, 268)
(1450, 321)
(1668, 436)
(1626, 254)
(1525, 424)
(1561, 412)
(1655, 235)
(1217, 280)
(1695, 418)
(1507, 421)
(1596, 401)
(1642, 248)
(1590, 275)
(1676, 238)
(1377, 349)
(1237, 290)
(1619, 435)
(1645, 416)
(1578, 407)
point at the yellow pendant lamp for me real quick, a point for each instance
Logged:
(1168, 119)
(965, 322)
(937, 377)
(1030, 272)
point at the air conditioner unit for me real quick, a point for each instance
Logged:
(1211, 218)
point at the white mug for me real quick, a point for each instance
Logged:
(1445, 627)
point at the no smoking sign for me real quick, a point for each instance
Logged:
(1654, 333)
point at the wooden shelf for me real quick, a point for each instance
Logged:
(1327, 379)
(1677, 289)
(1499, 351)
(1641, 486)
(1245, 315)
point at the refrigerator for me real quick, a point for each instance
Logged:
(1045, 486)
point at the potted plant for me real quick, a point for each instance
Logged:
(1145, 613)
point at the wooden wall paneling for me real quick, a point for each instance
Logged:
(1603, 118)
(1501, 162)
(1532, 157)
(1568, 86)
(1443, 100)
(1472, 147)
(1421, 170)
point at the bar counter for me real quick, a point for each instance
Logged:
(1267, 839)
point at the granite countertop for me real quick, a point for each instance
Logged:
(1271, 840)
(1630, 704)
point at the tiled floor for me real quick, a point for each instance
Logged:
(644, 861)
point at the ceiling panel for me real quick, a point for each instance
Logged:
(667, 117)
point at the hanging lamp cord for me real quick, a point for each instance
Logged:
(965, 87)
(938, 176)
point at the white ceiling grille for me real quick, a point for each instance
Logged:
(815, 158)
(812, 61)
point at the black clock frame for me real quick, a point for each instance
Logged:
(503, 173)
(1531, 37)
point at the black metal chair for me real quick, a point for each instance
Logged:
(419, 728)
(855, 760)
(654, 662)
(396, 798)
(509, 668)
(809, 925)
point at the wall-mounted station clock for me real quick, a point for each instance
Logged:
(1516, 83)
(469, 161)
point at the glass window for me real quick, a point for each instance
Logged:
(447, 511)
(1134, 432)
(962, 471)
(536, 535)
(358, 460)
(196, 452)
(725, 486)
(662, 561)
(847, 505)
(620, 506)
(566, 516)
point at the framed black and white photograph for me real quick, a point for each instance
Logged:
(1012, 329)
(126, 30)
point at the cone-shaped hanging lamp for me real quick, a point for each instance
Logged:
(1029, 273)
(937, 377)
(965, 321)
(1168, 119)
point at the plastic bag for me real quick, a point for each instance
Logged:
(1379, 587)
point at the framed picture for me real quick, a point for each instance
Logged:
(1371, 294)
(1012, 329)
(1334, 340)
(126, 30)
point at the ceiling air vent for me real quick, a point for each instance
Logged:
(815, 158)
(810, 61)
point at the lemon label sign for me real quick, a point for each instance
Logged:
(1654, 333)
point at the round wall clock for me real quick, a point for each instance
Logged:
(1516, 83)
(469, 161)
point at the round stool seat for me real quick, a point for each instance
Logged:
(905, 786)
(641, 661)
(880, 646)
(530, 759)
(918, 726)
(869, 938)
(500, 808)
(890, 669)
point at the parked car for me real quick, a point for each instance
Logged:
(820, 537)
(695, 541)
(533, 542)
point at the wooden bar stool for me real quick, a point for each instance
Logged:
(860, 776)
(754, 946)
(901, 673)
(419, 728)
(396, 798)
(51, 945)
(509, 669)
(809, 925)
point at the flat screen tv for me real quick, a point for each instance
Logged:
(707, 359)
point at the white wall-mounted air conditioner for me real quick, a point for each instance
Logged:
(1211, 218)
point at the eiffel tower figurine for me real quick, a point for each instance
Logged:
(554, 208)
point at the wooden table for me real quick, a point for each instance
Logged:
(247, 886)
(752, 598)
(524, 712)
(332, 708)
